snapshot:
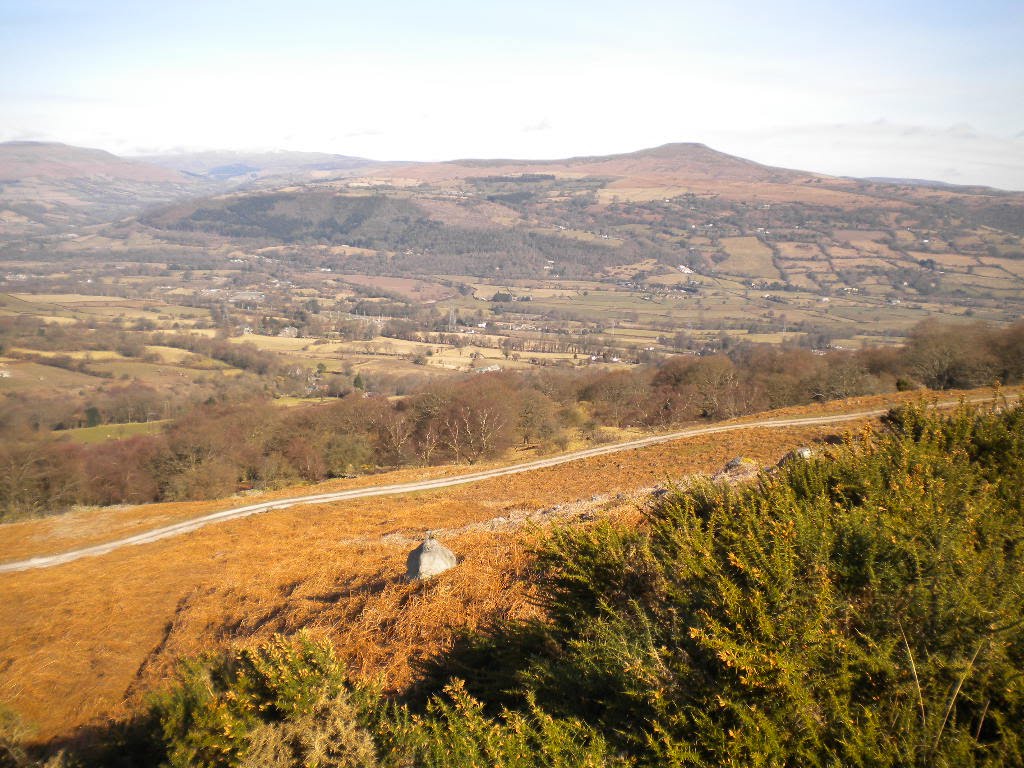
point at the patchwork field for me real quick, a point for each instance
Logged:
(112, 431)
(412, 289)
(748, 256)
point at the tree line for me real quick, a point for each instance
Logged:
(221, 446)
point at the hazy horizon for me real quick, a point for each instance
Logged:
(921, 90)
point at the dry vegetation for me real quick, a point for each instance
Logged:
(83, 640)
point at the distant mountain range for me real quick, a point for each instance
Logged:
(48, 188)
(919, 183)
(24, 160)
(247, 166)
(680, 218)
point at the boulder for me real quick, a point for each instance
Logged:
(429, 559)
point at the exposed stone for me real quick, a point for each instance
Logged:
(802, 453)
(738, 470)
(429, 559)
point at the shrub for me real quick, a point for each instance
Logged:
(284, 702)
(456, 733)
(865, 608)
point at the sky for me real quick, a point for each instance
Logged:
(908, 89)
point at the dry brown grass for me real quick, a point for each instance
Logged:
(82, 642)
(92, 525)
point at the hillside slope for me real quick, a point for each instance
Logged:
(668, 162)
(47, 187)
(83, 640)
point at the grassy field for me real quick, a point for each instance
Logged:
(748, 256)
(73, 307)
(35, 377)
(273, 343)
(73, 299)
(89, 435)
(175, 356)
(96, 355)
(410, 288)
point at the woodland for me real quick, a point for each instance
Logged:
(220, 441)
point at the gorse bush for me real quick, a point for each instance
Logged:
(287, 702)
(457, 733)
(861, 608)
(857, 609)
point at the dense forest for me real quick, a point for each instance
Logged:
(232, 439)
(864, 606)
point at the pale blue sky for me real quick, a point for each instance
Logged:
(872, 88)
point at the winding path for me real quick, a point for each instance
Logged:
(195, 524)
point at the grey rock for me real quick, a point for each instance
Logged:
(429, 559)
(797, 454)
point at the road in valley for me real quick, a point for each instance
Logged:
(234, 513)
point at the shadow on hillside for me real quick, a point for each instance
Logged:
(491, 662)
(132, 743)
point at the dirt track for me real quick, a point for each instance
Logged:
(187, 526)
